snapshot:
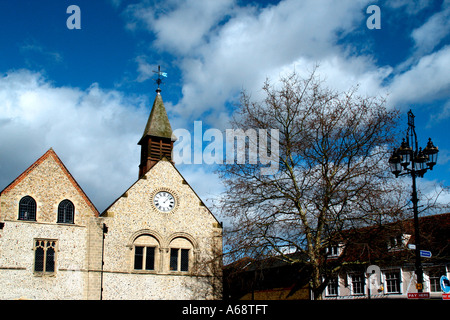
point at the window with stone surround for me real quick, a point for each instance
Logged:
(146, 253)
(66, 212)
(44, 256)
(180, 255)
(27, 209)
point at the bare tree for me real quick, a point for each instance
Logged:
(333, 174)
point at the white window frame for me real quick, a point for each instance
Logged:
(327, 289)
(352, 288)
(334, 251)
(400, 279)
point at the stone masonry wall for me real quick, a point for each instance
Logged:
(48, 182)
(134, 214)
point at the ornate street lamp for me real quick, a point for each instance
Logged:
(409, 159)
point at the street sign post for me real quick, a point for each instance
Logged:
(445, 284)
(425, 254)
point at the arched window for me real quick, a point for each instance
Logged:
(66, 212)
(146, 253)
(181, 254)
(44, 256)
(27, 209)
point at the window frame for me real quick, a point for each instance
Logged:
(144, 258)
(32, 203)
(433, 278)
(62, 217)
(388, 281)
(182, 254)
(179, 259)
(147, 242)
(358, 283)
(333, 284)
(45, 245)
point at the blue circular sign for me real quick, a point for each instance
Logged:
(445, 284)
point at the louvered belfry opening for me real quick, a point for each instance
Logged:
(153, 150)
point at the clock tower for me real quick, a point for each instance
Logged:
(156, 142)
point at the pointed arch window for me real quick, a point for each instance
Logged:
(66, 212)
(27, 209)
(44, 256)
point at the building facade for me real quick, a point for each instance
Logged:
(156, 241)
(379, 262)
(376, 262)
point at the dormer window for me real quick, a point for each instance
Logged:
(398, 242)
(334, 251)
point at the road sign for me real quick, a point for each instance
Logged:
(445, 284)
(419, 295)
(446, 296)
(425, 254)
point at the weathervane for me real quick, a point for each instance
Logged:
(159, 80)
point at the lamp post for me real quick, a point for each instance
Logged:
(409, 159)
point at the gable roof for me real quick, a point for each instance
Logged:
(173, 165)
(373, 243)
(51, 153)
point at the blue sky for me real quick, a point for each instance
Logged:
(87, 92)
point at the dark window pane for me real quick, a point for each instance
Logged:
(50, 260)
(150, 259)
(138, 256)
(173, 259)
(39, 259)
(66, 211)
(184, 260)
(27, 208)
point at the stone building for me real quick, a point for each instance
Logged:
(156, 241)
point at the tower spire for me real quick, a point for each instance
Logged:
(156, 142)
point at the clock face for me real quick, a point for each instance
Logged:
(164, 201)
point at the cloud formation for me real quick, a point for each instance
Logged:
(220, 48)
(94, 131)
(225, 47)
(237, 47)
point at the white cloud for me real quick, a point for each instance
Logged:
(426, 81)
(219, 60)
(180, 25)
(432, 32)
(145, 69)
(221, 48)
(409, 7)
(94, 131)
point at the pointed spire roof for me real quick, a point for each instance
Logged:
(158, 124)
